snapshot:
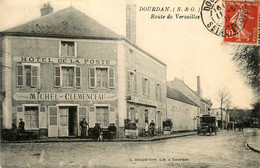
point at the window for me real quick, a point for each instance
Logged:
(146, 87)
(102, 116)
(31, 117)
(131, 84)
(101, 77)
(67, 76)
(132, 114)
(27, 75)
(67, 49)
(158, 91)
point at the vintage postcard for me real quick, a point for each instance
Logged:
(129, 83)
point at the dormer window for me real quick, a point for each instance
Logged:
(67, 49)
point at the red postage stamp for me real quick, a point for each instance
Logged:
(241, 22)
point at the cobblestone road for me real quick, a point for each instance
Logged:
(227, 149)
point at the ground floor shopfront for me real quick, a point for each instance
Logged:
(62, 119)
(142, 112)
(59, 114)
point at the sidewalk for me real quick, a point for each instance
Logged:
(138, 139)
(253, 141)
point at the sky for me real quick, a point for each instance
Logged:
(185, 45)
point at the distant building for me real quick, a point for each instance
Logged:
(65, 66)
(181, 110)
(194, 96)
(225, 116)
(181, 87)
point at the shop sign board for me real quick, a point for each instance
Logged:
(65, 60)
(40, 96)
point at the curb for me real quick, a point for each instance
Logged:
(92, 140)
(253, 149)
(251, 146)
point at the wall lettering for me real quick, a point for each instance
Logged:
(65, 60)
(65, 96)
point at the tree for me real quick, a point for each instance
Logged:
(247, 60)
(224, 97)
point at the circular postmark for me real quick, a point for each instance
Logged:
(223, 19)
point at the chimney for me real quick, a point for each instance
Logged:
(198, 86)
(131, 22)
(46, 9)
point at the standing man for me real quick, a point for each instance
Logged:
(152, 128)
(83, 125)
(21, 126)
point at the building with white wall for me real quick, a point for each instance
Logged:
(65, 66)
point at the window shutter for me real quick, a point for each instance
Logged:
(43, 120)
(143, 85)
(128, 81)
(135, 83)
(92, 116)
(77, 77)
(34, 76)
(20, 70)
(148, 87)
(53, 126)
(83, 113)
(92, 81)
(57, 79)
(112, 115)
(53, 115)
(160, 92)
(111, 78)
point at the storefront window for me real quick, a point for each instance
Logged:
(31, 117)
(102, 116)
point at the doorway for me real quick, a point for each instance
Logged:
(68, 124)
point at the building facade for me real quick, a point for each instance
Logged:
(222, 117)
(65, 66)
(181, 110)
(180, 86)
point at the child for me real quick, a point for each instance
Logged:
(100, 137)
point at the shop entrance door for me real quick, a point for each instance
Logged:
(63, 124)
(73, 121)
(68, 125)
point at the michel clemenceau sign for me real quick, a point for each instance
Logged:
(38, 96)
(65, 60)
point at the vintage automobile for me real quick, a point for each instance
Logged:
(207, 125)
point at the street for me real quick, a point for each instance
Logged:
(227, 149)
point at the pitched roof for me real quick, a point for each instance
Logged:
(177, 95)
(177, 79)
(68, 22)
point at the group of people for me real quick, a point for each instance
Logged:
(97, 130)
(20, 128)
(150, 128)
